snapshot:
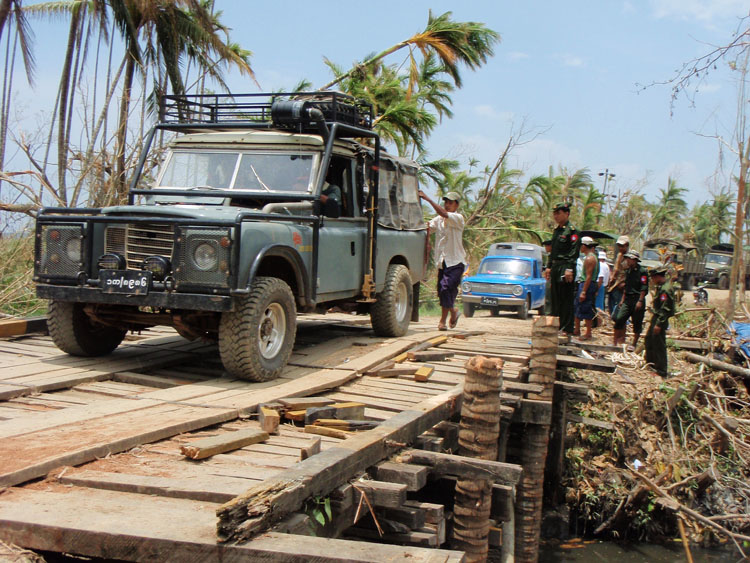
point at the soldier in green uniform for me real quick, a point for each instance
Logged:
(663, 307)
(547, 244)
(562, 267)
(633, 303)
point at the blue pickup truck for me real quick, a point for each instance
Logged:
(510, 277)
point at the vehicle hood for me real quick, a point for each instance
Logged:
(496, 278)
(190, 211)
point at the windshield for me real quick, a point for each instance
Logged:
(247, 171)
(506, 267)
(650, 254)
(719, 259)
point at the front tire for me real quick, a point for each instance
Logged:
(468, 310)
(75, 333)
(523, 310)
(256, 339)
(391, 313)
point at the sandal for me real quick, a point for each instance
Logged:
(442, 327)
(454, 321)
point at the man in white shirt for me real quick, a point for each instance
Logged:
(603, 279)
(449, 253)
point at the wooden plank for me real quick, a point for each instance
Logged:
(269, 419)
(16, 327)
(464, 467)
(380, 493)
(591, 364)
(413, 476)
(424, 373)
(323, 431)
(331, 468)
(603, 424)
(428, 356)
(350, 410)
(395, 371)
(310, 450)
(426, 539)
(101, 524)
(302, 403)
(348, 425)
(223, 443)
(385, 404)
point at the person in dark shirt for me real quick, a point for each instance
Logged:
(547, 244)
(663, 307)
(562, 267)
(633, 302)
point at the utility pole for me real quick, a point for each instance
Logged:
(607, 176)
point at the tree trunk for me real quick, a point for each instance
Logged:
(120, 187)
(477, 437)
(62, 108)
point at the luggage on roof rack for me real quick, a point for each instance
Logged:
(289, 110)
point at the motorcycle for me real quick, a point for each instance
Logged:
(700, 295)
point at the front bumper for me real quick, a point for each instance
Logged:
(162, 299)
(511, 302)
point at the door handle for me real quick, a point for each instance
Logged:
(353, 248)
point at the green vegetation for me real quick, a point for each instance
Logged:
(17, 296)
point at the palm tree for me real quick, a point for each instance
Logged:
(454, 43)
(670, 211)
(711, 220)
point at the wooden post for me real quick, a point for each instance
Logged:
(530, 492)
(477, 437)
(543, 361)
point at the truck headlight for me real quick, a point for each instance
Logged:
(73, 249)
(466, 287)
(517, 290)
(59, 252)
(206, 256)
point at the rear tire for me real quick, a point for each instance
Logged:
(391, 313)
(494, 312)
(468, 310)
(256, 339)
(75, 333)
(523, 310)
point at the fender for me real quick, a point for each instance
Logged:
(294, 259)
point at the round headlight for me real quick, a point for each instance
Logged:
(466, 287)
(205, 256)
(158, 266)
(517, 290)
(73, 249)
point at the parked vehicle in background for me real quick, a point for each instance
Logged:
(510, 277)
(700, 295)
(719, 266)
(683, 260)
(266, 205)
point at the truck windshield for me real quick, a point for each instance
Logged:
(245, 171)
(506, 267)
(650, 254)
(722, 259)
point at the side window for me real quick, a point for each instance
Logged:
(341, 175)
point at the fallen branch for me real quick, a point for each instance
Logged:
(716, 364)
(688, 511)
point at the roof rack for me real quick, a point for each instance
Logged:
(284, 110)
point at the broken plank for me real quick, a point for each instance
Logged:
(223, 443)
(269, 419)
(329, 469)
(330, 432)
(302, 403)
(349, 410)
(311, 450)
(429, 356)
(394, 372)
(348, 425)
(603, 424)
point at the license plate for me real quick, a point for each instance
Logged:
(130, 282)
(489, 301)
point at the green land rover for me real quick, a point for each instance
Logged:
(265, 205)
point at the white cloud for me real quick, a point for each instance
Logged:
(569, 60)
(709, 88)
(707, 11)
(517, 56)
(490, 112)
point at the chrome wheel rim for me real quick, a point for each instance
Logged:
(271, 331)
(401, 303)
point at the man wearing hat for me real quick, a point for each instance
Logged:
(617, 277)
(633, 303)
(587, 287)
(662, 308)
(450, 255)
(562, 267)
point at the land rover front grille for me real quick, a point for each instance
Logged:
(139, 241)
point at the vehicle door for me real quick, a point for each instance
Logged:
(341, 247)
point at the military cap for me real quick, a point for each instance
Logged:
(452, 196)
(561, 206)
(659, 271)
(623, 240)
(632, 254)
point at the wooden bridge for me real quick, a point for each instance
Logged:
(96, 455)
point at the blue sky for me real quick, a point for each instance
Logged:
(568, 70)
